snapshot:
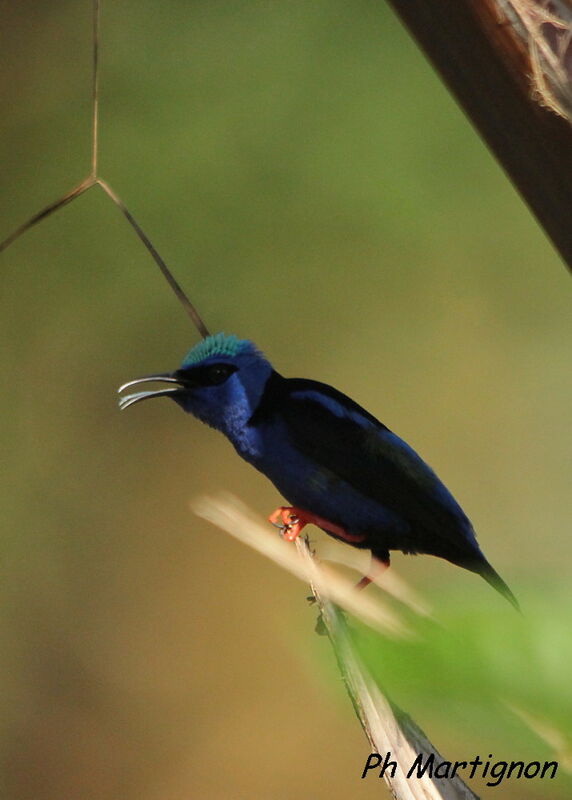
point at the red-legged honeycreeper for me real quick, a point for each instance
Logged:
(337, 465)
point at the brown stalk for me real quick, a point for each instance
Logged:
(387, 728)
(491, 62)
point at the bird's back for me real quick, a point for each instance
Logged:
(327, 454)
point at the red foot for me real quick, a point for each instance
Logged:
(293, 521)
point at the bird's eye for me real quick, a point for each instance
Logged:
(218, 373)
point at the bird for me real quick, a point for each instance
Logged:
(336, 465)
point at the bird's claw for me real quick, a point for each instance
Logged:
(291, 522)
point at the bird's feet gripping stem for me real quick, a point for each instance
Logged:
(290, 520)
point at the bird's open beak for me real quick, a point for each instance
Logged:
(177, 388)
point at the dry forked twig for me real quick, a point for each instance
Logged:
(388, 729)
(47, 211)
(167, 274)
(93, 179)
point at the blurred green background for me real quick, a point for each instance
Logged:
(314, 188)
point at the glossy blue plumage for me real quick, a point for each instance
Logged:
(326, 455)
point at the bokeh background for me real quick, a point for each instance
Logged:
(313, 186)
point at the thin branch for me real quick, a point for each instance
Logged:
(388, 729)
(93, 179)
(183, 299)
(235, 518)
(48, 211)
(95, 91)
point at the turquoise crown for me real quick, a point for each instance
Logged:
(217, 345)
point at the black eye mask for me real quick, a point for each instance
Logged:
(207, 375)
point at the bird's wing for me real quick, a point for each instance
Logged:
(337, 434)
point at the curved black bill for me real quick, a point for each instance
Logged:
(136, 397)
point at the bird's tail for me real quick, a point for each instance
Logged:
(494, 579)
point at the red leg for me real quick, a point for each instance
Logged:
(378, 566)
(294, 519)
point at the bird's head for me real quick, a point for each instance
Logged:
(220, 381)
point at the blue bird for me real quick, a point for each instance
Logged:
(337, 465)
